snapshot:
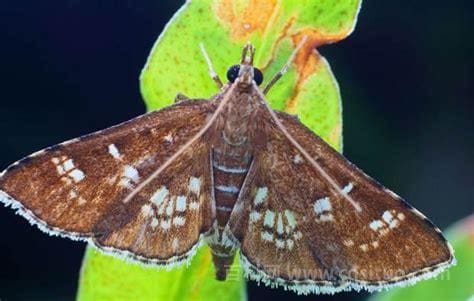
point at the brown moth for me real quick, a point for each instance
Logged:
(235, 174)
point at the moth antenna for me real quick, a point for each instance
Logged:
(287, 65)
(167, 163)
(212, 73)
(306, 155)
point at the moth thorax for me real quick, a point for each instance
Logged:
(236, 126)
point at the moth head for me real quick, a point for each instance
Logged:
(245, 72)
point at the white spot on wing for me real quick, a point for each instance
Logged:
(297, 159)
(159, 196)
(322, 205)
(68, 170)
(72, 194)
(154, 223)
(113, 151)
(348, 243)
(261, 195)
(68, 165)
(376, 224)
(326, 218)
(179, 221)
(255, 216)
(290, 218)
(181, 203)
(348, 188)
(165, 224)
(280, 244)
(321, 208)
(77, 175)
(388, 218)
(280, 228)
(401, 216)
(267, 236)
(130, 174)
(276, 224)
(169, 208)
(169, 138)
(290, 243)
(147, 210)
(269, 219)
(60, 169)
(194, 205)
(195, 185)
(298, 235)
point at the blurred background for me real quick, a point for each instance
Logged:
(71, 67)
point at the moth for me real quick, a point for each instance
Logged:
(235, 174)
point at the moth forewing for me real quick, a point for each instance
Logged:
(300, 233)
(77, 189)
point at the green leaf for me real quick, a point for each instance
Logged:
(105, 277)
(224, 26)
(176, 65)
(457, 283)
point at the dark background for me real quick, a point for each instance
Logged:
(71, 67)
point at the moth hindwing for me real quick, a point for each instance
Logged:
(236, 174)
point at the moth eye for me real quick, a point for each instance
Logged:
(233, 73)
(257, 76)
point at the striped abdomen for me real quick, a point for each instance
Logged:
(230, 166)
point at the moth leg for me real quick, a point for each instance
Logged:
(285, 67)
(212, 73)
(180, 97)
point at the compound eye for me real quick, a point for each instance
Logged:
(257, 76)
(233, 73)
